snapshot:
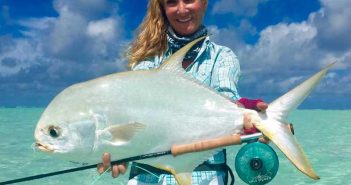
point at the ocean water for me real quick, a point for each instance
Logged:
(325, 136)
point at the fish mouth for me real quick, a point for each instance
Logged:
(43, 148)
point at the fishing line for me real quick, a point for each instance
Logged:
(99, 176)
(147, 171)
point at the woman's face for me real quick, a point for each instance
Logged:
(185, 16)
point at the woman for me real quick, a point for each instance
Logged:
(168, 26)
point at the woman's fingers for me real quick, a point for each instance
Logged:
(106, 161)
(264, 139)
(118, 169)
(262, 106)
(100, 168)
(122, 168)
(115, 171)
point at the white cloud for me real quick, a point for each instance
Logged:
(229, 37)
(42, 23)
(102, 29)
(247, 8)
(285, 54)
(90, 9)
(21, 56)
(84, 41)
(67, 32)
(74, 36)
(35, 26)
(333, 25)
(283, 46)
(79, 37)
(232, 37)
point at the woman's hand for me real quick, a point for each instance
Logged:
(262, 106)
(249, 127)
(254, 104)
(116, 170)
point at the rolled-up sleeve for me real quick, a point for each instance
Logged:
(226, 74)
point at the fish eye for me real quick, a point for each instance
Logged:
(54, 131)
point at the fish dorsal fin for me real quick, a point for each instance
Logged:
(174, 65)
(120, 134)
(174, 62)
(282, 106)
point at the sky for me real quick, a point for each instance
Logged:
(46, 46)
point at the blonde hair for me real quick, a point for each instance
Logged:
(151, 37)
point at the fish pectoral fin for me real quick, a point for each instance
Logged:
(121, 134)
(281, 136)
(181, 178)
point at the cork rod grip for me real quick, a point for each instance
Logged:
(206, 145)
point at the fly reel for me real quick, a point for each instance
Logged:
(256, 163)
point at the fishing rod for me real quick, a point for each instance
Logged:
(175, 151)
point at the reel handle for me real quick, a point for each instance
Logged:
(209, 144)
(206, 145)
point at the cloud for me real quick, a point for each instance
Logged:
(84, 41)
(89, 9)
(287, 53)
(229, 37)
(16, 55)
(246, 8)
(233, 37)
(333, 25)
(102, 29)
(283, 46)
(5, 43)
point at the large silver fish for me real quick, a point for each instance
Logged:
(139, 112)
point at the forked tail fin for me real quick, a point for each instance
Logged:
(274, 128)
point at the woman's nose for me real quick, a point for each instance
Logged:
(182, 8)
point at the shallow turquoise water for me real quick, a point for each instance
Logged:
(325, 136)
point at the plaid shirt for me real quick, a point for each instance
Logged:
(216, 67)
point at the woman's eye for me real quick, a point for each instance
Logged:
(189, 1)
(54, 132)
(171, 2)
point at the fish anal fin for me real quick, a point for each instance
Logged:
(282, 137)
(122, 133)
(181, 178)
